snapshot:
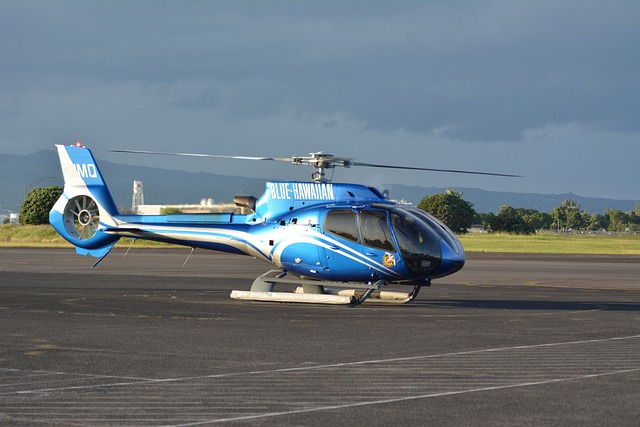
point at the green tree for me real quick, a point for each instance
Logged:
(510, 220)
(568, 216)
(36, 206)
(634, 219)
(484, 218)
(618, 220)
(450, 208)
(595, 222)
(538, 220)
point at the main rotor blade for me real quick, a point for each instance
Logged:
(331, 161)
(166, 153)
(373, 165)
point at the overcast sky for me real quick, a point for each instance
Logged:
(546, 89)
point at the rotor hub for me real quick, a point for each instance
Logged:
(320, 162)
(84, 217)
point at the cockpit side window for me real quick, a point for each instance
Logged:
(375, 230)
(342, 223)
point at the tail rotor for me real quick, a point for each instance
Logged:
(82, 217)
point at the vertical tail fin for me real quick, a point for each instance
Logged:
(86, 207)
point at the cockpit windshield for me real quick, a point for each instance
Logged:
(439, 228)
(419, 244)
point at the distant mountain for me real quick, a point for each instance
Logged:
(19, 174)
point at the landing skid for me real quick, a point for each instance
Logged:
(321, 292)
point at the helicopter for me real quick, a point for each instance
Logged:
(337, 243)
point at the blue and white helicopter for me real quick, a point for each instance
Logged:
(339, 243)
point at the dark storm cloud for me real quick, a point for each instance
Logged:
(480, 70)
(431, 79)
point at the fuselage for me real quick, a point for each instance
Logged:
(340, 232)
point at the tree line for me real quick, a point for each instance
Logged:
(459, 215)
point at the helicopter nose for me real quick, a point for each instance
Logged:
(452, 260)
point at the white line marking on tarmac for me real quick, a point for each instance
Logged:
(142, 381)
(267, 394)
(401, 399)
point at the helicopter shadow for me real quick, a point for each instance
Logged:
(531, 305)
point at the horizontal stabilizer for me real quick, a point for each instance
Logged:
(118, 230)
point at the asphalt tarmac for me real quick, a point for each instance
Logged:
(141, 340)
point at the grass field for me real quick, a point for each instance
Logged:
(553, 243)
(30, 235)
(44, 236)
